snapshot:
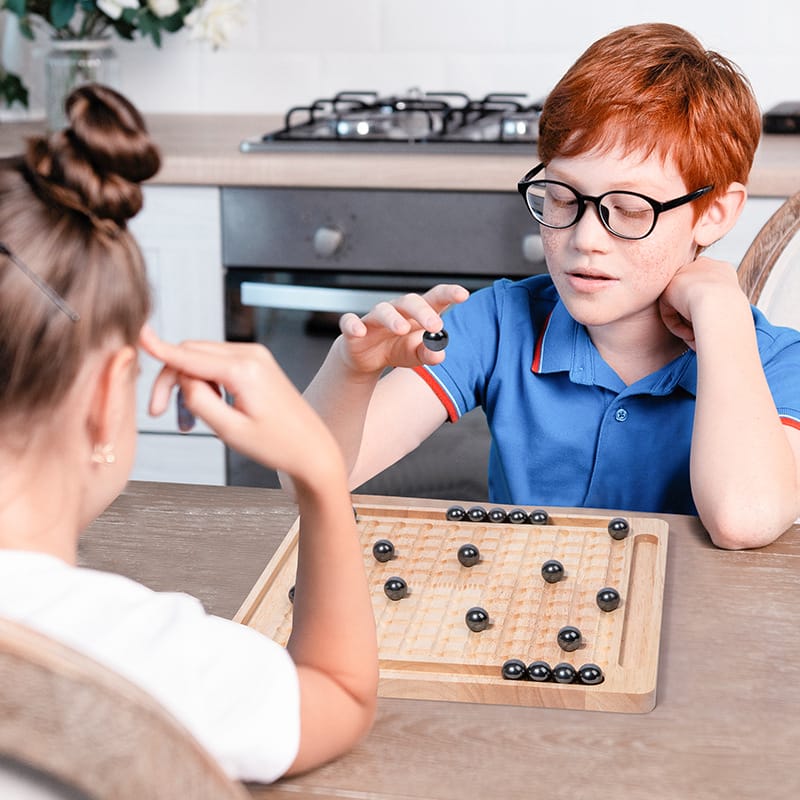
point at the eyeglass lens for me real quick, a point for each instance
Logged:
(558, 206)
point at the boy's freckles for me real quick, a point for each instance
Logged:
(602, 278)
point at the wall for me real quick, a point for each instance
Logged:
(292, 51)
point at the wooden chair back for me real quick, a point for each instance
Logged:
(770, 269)
(64, 715)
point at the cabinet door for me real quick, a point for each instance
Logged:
(178, 231)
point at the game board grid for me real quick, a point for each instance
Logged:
(526, 613)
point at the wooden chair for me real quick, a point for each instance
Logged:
(74, 723)
(770, 269)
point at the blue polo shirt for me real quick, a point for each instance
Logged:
(566, 430)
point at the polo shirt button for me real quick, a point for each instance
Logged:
(621, 415)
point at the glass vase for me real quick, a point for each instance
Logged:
(71, 63)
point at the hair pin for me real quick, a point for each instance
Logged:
(48, 290)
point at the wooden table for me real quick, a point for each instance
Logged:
(726, 720)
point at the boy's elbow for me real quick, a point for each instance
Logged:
(737, 529)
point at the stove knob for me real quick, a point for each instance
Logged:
(327, 241)
(532, 249)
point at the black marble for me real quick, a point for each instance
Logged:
(395, 588)
(608, 599)
(435, 341)
(477, 619)
(552, 570)
(469, 555)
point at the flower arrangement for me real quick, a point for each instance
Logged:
(208, 20)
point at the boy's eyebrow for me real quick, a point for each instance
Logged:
(624, 185)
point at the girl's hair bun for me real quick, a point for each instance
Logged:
(94, 166)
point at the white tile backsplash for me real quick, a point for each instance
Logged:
(289, 53)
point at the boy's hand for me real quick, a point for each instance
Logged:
(390, 335)
(267, 419)
(702, 286)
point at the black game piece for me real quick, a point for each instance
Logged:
(497, 515)
(540, 671)
(619, 528)
(569, 638)
(477, 514)
(383, 550)
(539, 517)
(608, 599)
(291, 594)
(518, 517)
(477, 619)
(552, 571)
(456, 513)
(564, 673)
(395, 588)
(469, 555)
(514, 669)
(590, 674)
(435, 341)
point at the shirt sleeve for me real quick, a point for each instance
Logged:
(473, 330)
(780, 357)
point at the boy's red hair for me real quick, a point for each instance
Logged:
(653, 88)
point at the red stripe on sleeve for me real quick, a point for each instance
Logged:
(537, 351)
(792, 423)
(452, 413)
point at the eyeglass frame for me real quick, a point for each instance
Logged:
(51, 294)
(658, 207)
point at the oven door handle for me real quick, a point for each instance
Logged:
(310, 298)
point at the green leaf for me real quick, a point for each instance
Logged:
(16, 7)
(61, 12)
(12, 90)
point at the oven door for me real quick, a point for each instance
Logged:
(296, 315)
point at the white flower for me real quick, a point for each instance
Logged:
(163, 8)
(215, 20)
(114, 8)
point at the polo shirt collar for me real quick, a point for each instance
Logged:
(563, 345)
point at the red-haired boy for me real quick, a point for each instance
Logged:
(635, 375)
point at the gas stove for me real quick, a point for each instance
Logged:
(416, 121)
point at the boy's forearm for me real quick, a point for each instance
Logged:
(743, 471)
(342, 399)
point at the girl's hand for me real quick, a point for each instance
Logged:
(266, 419)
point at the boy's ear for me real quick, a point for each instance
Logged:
(110, 396)
(721, 215)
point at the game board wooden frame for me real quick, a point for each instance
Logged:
(427, 652)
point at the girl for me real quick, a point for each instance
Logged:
(73, 303)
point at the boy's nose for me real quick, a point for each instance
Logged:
(589, 231)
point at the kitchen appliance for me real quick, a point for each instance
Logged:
(427, 121)
(297, 258)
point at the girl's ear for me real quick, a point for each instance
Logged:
(110, 397)
(720, 216)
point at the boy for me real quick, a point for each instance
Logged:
(636, 375)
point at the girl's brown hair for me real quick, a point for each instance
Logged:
(654, 88)
(64, 207)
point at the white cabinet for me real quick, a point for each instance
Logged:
(178, 231)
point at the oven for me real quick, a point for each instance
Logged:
(297, 258)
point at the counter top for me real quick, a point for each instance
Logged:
(725, 722)
(204, 150)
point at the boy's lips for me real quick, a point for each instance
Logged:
(589, 280)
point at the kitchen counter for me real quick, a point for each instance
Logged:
(204, 150)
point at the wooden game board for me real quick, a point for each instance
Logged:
(426, 650)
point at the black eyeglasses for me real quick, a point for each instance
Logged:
(628, 215)
(45, 288)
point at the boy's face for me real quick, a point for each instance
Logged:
(601, 278)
